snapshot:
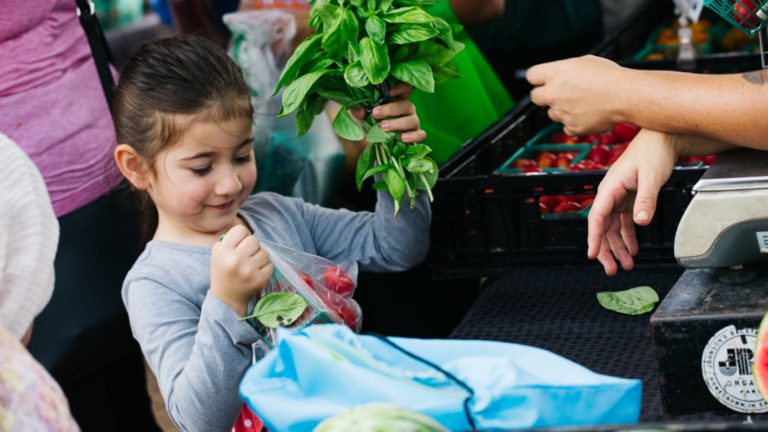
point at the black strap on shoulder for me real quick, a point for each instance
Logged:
(101, 54)
(449, 375)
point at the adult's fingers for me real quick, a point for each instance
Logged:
(618, 248)
(648, 187)
(540, 97)
(601, 210)
(606, 259)
(628, 233)
(538, 74)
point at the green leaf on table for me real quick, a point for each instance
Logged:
(408, 15)
(355, 76)
(411, 33)
(346, 126)
(376, 135)
(364, 161)
(376, 29)
(301, 56)
(634, 301)
(375, 60)
(278, 309)
(416, 73)
(294, 95)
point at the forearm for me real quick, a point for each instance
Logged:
(692, 145)
(477, 12)
(727, 108)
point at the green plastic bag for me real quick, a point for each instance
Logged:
(462, 108)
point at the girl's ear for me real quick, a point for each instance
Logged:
(132, 165)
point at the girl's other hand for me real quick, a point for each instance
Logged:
(398, 115)
(240, 268)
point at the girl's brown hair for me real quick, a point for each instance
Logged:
(169, 79)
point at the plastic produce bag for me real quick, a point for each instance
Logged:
(309, 166)
(319, 371)
(327, 288)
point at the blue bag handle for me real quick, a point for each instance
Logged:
(460, 383)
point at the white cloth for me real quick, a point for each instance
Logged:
(29, 235)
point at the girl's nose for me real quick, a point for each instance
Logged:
(229, 183)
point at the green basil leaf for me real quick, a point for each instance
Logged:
(376, 135)
(634, 301)
(443, 73)
(304, 119)
(385, 5)
(320, 64)
(417, 150)
(376, 29)
(357, 3)
(375, 170)
(430, 176)
(324, 12)
(278, 309)
(444, 30)
(408, 15)
(433, 53)
(335, 89)
(417, 166)
(293, 96)
(352, 54)
(416, 73)
(380, 186)
(318, 105)
(364, 161)
(375, 60)
(343, 29)
(395, 184)
(346, 126)
(420, 3)
(401, 53)
(410, 33)
(398, 149)
(300, 57)
(355, 76)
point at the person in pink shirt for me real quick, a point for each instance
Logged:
(52, 105)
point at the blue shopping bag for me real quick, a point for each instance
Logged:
(321, 370)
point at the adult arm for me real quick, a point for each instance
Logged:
(477, 12)
(589, 94)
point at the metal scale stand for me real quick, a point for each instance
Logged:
(705, 328)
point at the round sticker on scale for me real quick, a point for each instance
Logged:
(726, 365)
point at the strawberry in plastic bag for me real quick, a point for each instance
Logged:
(304, 289)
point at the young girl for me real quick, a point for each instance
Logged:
(183, 121)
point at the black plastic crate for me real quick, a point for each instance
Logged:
(486, 223)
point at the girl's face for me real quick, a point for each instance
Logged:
(199, 184)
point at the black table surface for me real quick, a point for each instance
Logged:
(555, 308)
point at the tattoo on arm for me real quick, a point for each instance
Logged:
(756, 77)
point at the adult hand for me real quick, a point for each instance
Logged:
(239, 268)
(627, 196)
(582, 93)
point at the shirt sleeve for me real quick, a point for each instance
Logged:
(376, 240)
(199, 355)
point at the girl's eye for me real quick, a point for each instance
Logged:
(201, 171)
(243, 159)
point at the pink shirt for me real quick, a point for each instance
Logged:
(51, 101)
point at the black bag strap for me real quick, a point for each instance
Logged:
(99, 48)
(449, 375)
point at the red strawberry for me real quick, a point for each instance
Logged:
(338, 281)
(307, 279)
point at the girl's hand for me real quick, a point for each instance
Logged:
(627, 196)
(240, 268)
(399, 115)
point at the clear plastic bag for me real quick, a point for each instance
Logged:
(326, 286)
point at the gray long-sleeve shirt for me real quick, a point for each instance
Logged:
(196, 345)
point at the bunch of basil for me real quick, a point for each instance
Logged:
(361, 48)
